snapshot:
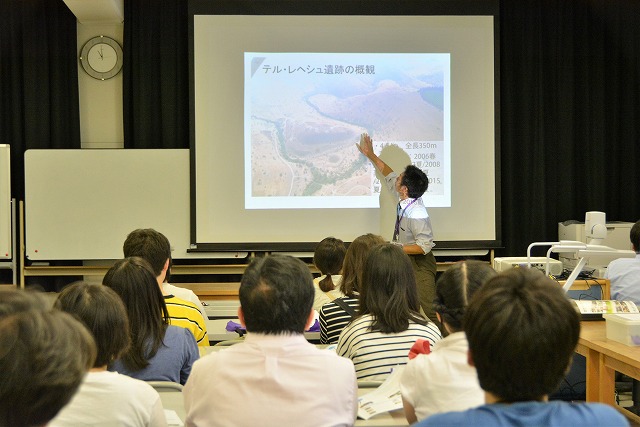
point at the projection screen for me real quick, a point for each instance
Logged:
(282, 91)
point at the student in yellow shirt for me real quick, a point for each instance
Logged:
(154, 247)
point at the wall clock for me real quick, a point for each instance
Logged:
(101, 57)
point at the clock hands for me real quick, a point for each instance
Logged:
(101, 53)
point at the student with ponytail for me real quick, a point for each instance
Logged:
(443, 380)
(328, 258)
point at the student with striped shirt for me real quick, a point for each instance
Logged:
(335, 315)
(389, 320)
(185, 309)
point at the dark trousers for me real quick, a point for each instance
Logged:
(424, 267)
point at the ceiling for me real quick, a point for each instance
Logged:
(97, 11)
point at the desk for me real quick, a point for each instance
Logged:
(173, 400)
(583, 285)
(216, 330)
(603, 358)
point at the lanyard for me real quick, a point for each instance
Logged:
(399, 216)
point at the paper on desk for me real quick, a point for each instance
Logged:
(605, 306)
(385, 398)
(172, 418)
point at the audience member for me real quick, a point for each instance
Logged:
(389, 320)
(624, 273)
(328, 258)
(158, 351)
(522, 332)
(443, 380)
(44, 355)
(335, 315)
(106, 398)
(185, 309)
(275, 377)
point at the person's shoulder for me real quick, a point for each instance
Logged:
(428, 327)
(136, 386)
(328, 307)
(446, 419)
(182, 293)
(361, 321)
(358, 326)
(175, 333)
(125, 386)
(215, 360)
(623, 263)
(418, 363)
(329, 359)
(180, 302)
(599, 414)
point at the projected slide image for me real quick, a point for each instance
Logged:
(304, 112)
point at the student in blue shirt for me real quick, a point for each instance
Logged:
(624, 273)
(522, 332)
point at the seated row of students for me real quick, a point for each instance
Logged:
(128, 321)
(446, 380)
(511, 322)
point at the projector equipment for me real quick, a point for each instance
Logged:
(596, 232)
(502, 264)
(617, 237)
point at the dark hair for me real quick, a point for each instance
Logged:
(415, 180)
(102, 311)
(522, 333)
(133, 279)
(14, 301)
(328, 258)
(389, 291)
(150, 245)
(354, 260)
(456, 286)
(44, 356)
(276, 295)
(634, 236)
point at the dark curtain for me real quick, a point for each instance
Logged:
(570, 80)
(156, 81)
(38, 80)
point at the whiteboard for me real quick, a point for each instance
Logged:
(81, 204)
(5, 202)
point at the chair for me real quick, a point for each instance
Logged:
(165, 386)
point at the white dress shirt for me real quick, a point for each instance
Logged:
(624, 275)
(271, 380)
